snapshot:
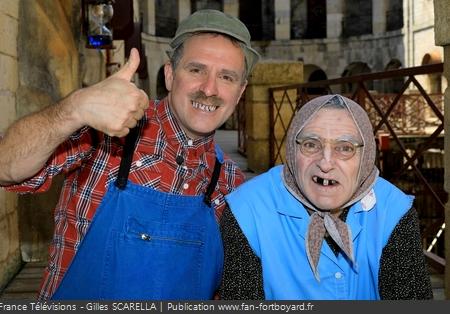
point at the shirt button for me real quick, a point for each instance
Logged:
(338, 275)
(190, 142)
(216, 201)
(138, 163)
(185, 186)
(185, 168)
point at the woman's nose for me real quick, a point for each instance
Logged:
(327, 159)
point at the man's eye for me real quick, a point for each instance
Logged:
(194, 70)
(227, 78)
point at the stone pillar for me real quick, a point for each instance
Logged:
(149, 24)
(282, 19)
(184, 9)
(10, 260)
(49, 69)
(8, 63)
(231, 7)
(266, 74)
(335, 14)
(442, 38)
(379, 8)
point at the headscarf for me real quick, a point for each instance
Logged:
(322, 221)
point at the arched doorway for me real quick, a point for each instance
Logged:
(393, 85)
(313, 73)
(355, 68)
(433, 83)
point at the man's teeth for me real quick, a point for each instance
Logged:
(203, 107)
(324, 182)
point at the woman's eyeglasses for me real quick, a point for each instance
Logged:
(341, 149)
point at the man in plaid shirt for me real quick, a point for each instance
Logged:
(144, 181)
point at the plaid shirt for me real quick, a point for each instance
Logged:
(90, 161)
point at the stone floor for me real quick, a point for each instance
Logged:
(25, 284)
(228, 141)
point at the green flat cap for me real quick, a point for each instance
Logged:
(217, 22)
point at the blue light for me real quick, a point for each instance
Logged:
(99, 40)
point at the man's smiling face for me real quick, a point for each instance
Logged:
(207, 83)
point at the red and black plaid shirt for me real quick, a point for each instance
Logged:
(90, 161)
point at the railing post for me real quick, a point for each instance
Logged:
(271, 128)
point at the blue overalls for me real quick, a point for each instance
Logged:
(144, 244)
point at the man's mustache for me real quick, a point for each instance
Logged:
(200, 97)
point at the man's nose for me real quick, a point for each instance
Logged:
(209, 85)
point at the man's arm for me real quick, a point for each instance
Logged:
(112, 106)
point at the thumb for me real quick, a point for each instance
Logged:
(128, 70)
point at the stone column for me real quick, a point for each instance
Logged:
(49, 69)
(266, 74)
(148, 8)
(379, 8)
(231, 7)
(184, 9)
(10, 260)
(282, 19)
(335, 14)
(442, 38)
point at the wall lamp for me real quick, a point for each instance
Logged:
(97, 15)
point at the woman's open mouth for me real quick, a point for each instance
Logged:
(324, 182)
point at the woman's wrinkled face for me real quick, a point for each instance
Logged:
(329, 178)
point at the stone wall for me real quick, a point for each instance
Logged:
(268, 73)
(39, 62)
(48, 45)
(442, 37)
(9, 229)
(334, 53)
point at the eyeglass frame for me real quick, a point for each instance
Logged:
(332, 142)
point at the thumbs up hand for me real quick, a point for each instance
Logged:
(114, 105)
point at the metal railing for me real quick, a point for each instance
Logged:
(408, 126)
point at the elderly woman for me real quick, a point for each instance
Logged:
(325, 225)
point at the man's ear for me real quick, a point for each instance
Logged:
(243, 86)
(168, 75)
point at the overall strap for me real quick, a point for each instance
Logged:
(212, 184)
(214, 177)
(127, 158)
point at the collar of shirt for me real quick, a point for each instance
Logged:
(160, 113)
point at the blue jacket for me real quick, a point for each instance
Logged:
(275, 224)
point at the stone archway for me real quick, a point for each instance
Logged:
(312, 73)
(353, 69)
(433, 83)
(393, 85)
